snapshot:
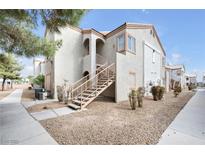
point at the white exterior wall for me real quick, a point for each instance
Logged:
(39, 67)
(89, 61)
(68, 61)
(136, 70)
(152, 69)
(146, 70)
(110, 48)
(126, 75)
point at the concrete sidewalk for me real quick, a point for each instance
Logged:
(189, 125)
(17, 126)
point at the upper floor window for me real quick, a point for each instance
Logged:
(121, 42)
(153, 56)
(131, 44)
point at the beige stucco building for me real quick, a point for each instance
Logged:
(175, 74)
(134, 50)
(191, 79)
(38, 67)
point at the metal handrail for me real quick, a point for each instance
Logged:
(104, 63)
(105, 83)
(94, 76)
(86, 77)
(89, 82)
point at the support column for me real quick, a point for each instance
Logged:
(92, 45)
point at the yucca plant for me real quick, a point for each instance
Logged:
(136, 96)
(133, 99)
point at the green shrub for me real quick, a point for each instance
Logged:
(177, 90)
(157, 92)
(140, 96)
(161, 93)
(154, 92)
(192, 86)
(39, 80)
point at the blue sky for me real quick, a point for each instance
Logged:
(182, 32)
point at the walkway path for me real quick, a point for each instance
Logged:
(189, 125)
(49, 113)
(17, 126)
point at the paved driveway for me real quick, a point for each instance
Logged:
(17, 126)
(189, 125)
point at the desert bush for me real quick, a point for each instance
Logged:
(133, 99)
(161, 93)
(154, 92)
(191, 86)
(39, 80)
(140, 95)
(157, 92)
(177, 90)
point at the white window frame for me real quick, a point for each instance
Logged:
(133, 44)
(118, 43)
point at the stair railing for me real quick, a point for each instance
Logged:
(92, 82)
(85, 78)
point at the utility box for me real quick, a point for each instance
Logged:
(42, 95)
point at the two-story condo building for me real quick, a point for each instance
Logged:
(106, 63)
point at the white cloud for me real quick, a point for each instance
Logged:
(145, 11)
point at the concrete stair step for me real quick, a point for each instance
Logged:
(83, 98)
(79, 103)
(101, 86)
(90, 90)
(88, 94)
(74, 106)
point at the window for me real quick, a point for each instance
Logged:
(153, 56)
(121, 42)
(131, 44)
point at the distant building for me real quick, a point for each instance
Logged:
(39, 67)
(175, 74)
(203, 79)
(191, 79)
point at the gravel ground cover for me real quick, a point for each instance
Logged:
(106, 122)
(46, 106)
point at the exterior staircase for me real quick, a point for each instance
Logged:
(89, 89)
